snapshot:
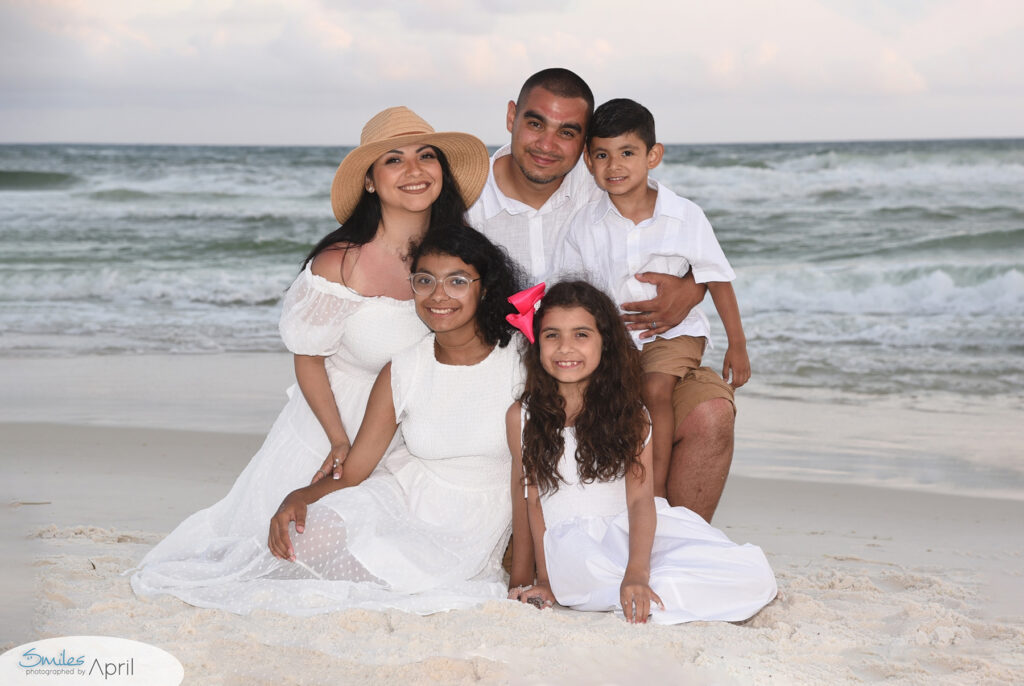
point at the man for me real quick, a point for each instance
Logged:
(536, 184)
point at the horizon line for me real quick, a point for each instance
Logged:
(499, 145)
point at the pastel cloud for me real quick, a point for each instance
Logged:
(315, 67)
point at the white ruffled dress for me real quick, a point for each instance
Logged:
(695, 569)
(357, 335)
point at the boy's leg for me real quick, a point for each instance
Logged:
(657, 392)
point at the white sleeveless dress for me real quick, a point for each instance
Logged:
(357, 335)
(696, 570)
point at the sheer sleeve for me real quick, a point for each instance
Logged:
(314, 313)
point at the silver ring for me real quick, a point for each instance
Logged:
(654, 324)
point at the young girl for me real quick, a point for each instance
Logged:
(579, 438)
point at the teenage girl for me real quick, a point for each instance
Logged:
(581, 456)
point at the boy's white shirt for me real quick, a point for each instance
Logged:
(609, 250)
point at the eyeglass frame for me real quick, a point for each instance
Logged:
(443, 282)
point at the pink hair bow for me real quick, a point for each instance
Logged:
(525, 302)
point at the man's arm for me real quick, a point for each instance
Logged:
(676, 297)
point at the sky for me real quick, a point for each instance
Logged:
(311, 72)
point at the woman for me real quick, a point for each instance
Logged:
(347, 313)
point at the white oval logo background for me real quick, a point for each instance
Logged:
(89, 660)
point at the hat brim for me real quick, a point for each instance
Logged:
(467, 156)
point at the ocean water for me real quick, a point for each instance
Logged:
(890, 269)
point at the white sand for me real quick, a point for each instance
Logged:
(876, 584)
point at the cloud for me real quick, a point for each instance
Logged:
(308, 68)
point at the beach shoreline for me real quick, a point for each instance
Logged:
(876, 583)
(973, 448)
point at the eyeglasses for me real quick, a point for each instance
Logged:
(455, 285)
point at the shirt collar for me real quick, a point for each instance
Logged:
(605, 205)
(494, 201)
(669, 204)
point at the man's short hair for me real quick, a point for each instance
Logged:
(621, 116)
(561, 82)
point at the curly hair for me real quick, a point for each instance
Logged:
(612, 424)
(500, 277)
(361, 226)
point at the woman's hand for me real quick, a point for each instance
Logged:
(292, 509)
(539, 595)
(333, 462)
(636, 596)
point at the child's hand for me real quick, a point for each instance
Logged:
(539, 595)
(636, 597)
(737, 362)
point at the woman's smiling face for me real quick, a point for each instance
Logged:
(441, 312)
(407, 178)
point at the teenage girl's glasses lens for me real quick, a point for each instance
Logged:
(455, 285)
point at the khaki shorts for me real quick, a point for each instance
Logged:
(680, 357)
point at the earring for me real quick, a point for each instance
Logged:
(369, 189)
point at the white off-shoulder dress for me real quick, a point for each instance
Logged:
(357, 335)
(695, 569)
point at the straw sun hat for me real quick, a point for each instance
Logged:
(393, 128)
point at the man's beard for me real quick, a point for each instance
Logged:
(536, 178)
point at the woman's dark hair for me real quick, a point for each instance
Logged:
(499, 275)
(361, 225)
(612, 424)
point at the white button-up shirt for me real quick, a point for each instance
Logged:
(530, 235)
(609, 250)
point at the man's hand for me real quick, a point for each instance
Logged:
(292, 509)
(676, 297)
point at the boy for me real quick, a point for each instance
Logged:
(640, 225)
